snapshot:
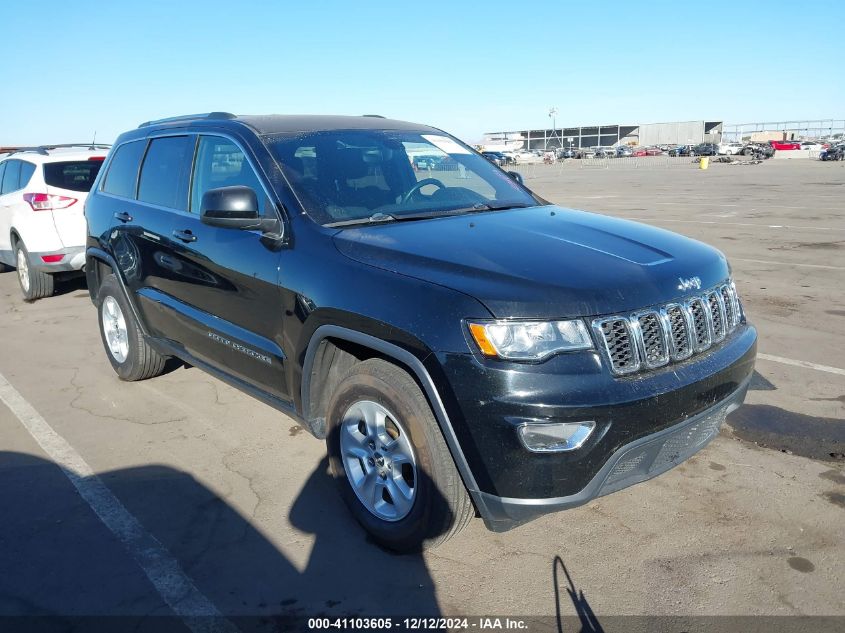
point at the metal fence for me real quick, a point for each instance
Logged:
(532, 170)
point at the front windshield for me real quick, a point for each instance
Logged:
(348, 176)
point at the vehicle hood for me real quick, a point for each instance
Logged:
(540, 262)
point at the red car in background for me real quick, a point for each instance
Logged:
(639, 151)
(783, 145)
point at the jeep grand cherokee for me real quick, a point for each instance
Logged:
(463, 346)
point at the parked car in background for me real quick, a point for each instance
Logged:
(704, 149)
(785, 145)
(567, 153)
(813, 146)
(681, 150)
(496, 158)
(623, 151)
(42, 223)
(834, 152)
(527, 361)
(426, 162)
(585, 152)
(639, 152)
(654, 151)
(528, 156)
(730, 149)
(604, 152)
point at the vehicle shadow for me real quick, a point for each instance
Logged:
(587, 619)
(76, 283)
(60, 560)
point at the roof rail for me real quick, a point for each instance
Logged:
(189, 117)
(375, 116)
(43, 149)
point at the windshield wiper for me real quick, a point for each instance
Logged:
(375, 218)
(379, 217)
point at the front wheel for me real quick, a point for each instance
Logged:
(34, 283)
(390, 462)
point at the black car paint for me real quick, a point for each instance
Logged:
(231, 301)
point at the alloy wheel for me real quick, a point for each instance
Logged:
(379, 460)
(114, 327)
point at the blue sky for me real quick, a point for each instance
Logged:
(468, 67)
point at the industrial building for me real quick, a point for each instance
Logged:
(678, 133)
(827, 129)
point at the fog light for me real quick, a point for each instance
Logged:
(558, 437)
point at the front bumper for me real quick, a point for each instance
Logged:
(74, 259)
(638, 461)
(487, 401)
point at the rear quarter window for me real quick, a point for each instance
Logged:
(123, 170)
(27, 169)
(76, 175)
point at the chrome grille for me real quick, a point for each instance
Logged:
(729, 297)
(654, 341)
(717, 311)
(620, 345)
(680, 332)
(701, 323)
(651, 338)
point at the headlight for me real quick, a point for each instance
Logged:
(529, 340)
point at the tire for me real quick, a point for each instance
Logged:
(440, 506)
(133, 358)
(34, 283)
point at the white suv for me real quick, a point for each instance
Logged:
(42, 223)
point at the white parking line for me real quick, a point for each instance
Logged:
(802, 363)
(173, 585)
(769, 261)
(755, 225)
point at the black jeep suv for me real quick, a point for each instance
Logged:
(463, 346)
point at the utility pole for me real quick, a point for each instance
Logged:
(552, 116)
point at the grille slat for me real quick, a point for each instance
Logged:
(681, 338)
(701, 320)
(717, 311)
(651, 338)
(620, 345)
(655, 347)
(730, 314)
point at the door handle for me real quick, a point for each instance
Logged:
(123, 216)
(185, 235)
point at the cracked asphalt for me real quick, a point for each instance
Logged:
(238, 494)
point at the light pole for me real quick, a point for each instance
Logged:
(552, 115)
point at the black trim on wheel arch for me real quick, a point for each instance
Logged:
(97, 253)
(414, 364)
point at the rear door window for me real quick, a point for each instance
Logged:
(164, 175)
(76, 175)
(11, 177)
(123, 169)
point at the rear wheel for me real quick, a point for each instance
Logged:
(34, 283)
(130, 355)
(390, 462)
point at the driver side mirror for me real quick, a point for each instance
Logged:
(516, 176)
(235, 208)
